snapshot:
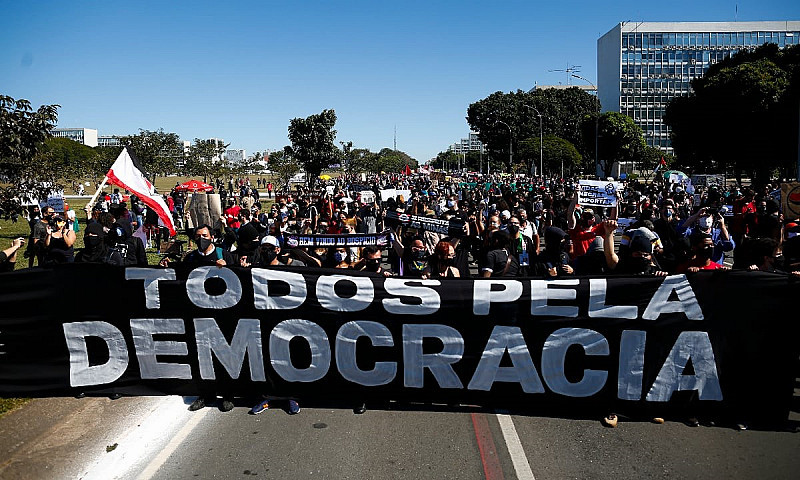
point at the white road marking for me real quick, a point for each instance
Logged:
(518, 458)
(173, 445)
(166, 415)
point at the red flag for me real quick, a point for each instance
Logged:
(407, 170)
(124, 173)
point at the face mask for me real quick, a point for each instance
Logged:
(706, 252)
(339, 257)
(705, 222)
(203, 243)
(92, 241)
(668, 214)
(418, 254)
(640, 265)
(373, 264)
(269, 254)
(450, 203)
(513, 229)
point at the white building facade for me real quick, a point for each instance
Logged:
(86, 136)
(642, 66)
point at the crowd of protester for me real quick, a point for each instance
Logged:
(507, 226)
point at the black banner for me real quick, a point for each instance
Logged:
(453, 227)
(721, 343)
(344, 240)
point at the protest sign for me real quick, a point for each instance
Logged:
(453, 227)
(347, 240)
(387, 194)
(645, 345)
(367, 196)
(56, 202)
(594, 193)
(790, 200)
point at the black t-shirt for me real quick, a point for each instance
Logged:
(496, 261)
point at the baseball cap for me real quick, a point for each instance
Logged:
(270, 240)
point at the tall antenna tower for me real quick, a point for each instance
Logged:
(568, 71)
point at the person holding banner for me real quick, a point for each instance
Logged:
(637, 258)
(582, 231)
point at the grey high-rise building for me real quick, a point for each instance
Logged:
(642, 66)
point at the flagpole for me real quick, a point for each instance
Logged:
(92, 201)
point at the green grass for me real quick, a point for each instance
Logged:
(10, 404)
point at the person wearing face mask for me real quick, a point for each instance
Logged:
(59, 242)
(95, 249)
(371, 262)
(413, 257)
(269, 254)
(554, 261)
(637, 258)
(337, 257)
(442, 262)
(39, 228)
(711, 223)
(207, 253)
(666, 228)
(702, 251)
(523, 247)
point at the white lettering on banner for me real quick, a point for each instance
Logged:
(196, 288)
(151, 277)
(440, 364)
(80, 372)
(554, 356)
(429, 301)
(264, 301)
(326, 293)
(523, 371)
(686, 303)
(346, 339)
(540, 294)
(246, 339)
(598, 307)
(694, 346)
(483, 294)
(142, 330)
(690, 346)
(631, 365)
(280, 354)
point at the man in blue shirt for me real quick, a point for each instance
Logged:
(710, 223)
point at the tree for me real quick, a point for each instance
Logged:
(24, 173)
(158, 151)
(283, 166)
(562, 113)
(205, 158)
(313, 145)
(620, 139)
(555, 152)
(72, 159)
(360, 160)
(742, 113)
(389, 160)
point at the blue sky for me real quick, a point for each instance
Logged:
(241, 70)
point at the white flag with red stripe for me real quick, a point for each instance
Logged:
(125, 173)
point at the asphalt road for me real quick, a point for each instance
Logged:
(143, 438)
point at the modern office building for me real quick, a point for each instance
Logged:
(469, 144)
(86, 136)
(235, 155)
(108, 141)
(641, 66)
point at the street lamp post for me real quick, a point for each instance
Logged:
(510, 146)
(541, 146)
(596, 123)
